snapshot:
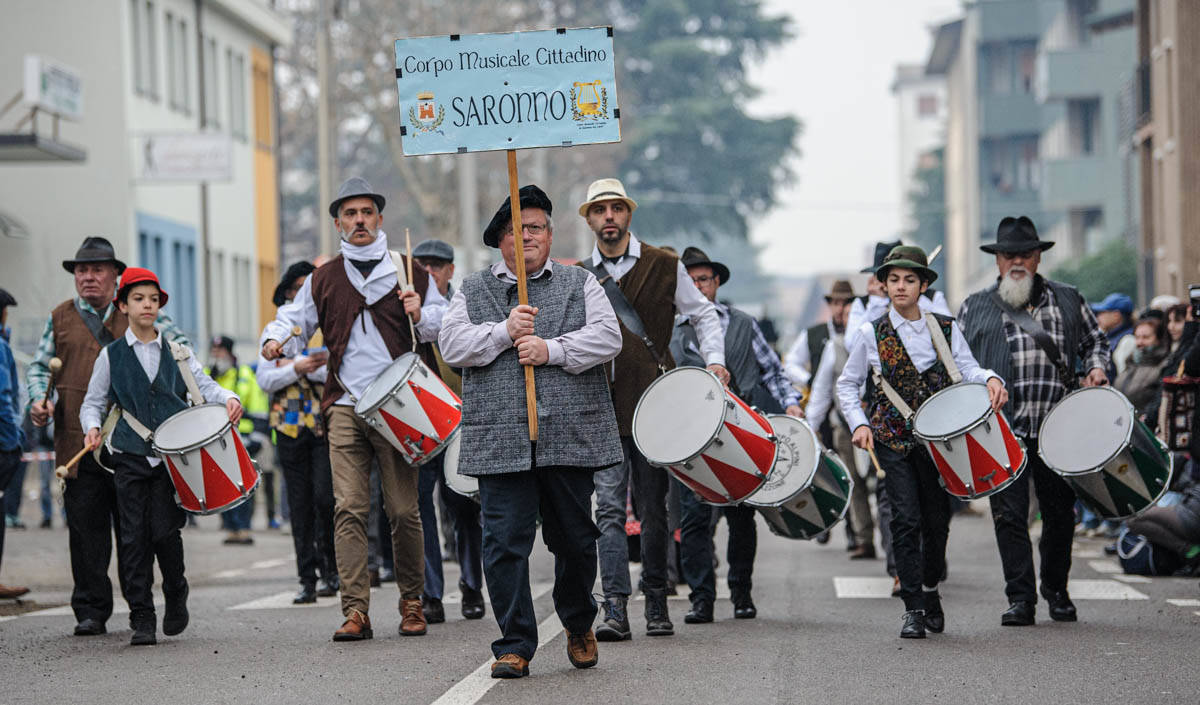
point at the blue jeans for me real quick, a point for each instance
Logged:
(511, 503)
(238, 518)
(468, 533)
(650, 491)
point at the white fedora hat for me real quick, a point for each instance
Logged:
(606, 190)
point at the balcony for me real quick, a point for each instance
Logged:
(1070, 73)
(1076, 182)
(1004, 115)
(1142, 106)
(1007, 20)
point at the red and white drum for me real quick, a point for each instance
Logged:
(204, 455)
(412, 408)
(689, 423)
(465, 485)
(973, 447)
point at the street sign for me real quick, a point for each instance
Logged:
(52, 87)
(513, 90)
(192, 157)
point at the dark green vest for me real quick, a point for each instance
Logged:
(150, 402)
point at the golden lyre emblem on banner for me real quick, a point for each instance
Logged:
(589, 101)
(427, 116)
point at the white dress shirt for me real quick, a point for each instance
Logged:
(797, 360)
(366, 355)
(688, 301)
(466, 344)
(878, 305)
(864, 357)
(91, 412)
(820, 398)
(274, 375)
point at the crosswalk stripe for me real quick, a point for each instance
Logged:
(860, 587)
(283, 600)
(1186, 602)
(1104, 566)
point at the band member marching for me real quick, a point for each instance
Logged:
(1036, 332)
(647, 286)
(566, 333)
(898, 349)
(757, 376)
(358, 301)
(140, 375)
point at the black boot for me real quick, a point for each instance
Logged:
(1018, 614)
(1061, 607)
(435, 613)
(143, 631)
(175, 617)
(743, 605)
(935, 619)
(615, 626)
(306, 596)
(658, 621)
(914, 625)
(700, 613)
(472, 602)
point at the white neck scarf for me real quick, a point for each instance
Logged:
(381, 279)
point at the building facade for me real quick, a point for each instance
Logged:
(151, 67)
(921, 119)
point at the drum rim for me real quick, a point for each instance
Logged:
(1121, 448)
(1153, 502)
(962, 431)
(841, 515)
(1014, 475)
(818, 450)
(228, 425)
(361, 410)
(725, 406)
(437, 450)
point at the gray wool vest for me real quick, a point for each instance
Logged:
(744, 373)
(576, 423)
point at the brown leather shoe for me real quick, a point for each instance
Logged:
(356, 628)
(412, 618)
(581, 649)
(510, 666)
(10, 592)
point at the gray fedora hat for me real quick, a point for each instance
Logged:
(94, 249)
(434, 249)
(355, 187)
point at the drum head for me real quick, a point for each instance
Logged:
(191, 427)
(387, 380)
(1085, 430)
(678, 415)
(951, 411)
(795, 465)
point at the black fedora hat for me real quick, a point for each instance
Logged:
(1016, 235)
(531, 197)
(695, 257)
(94, 249)
(881, 251)
(299, 269)
(355, 187)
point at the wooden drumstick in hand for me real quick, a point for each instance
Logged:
(62, 471)
(55, 366)
(296, 331)
(875, 462)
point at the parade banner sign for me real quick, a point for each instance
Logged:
(514, 90)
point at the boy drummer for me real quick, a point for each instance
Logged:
(139, 374)
(898, 351)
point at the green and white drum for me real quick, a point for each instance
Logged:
(1094, 441)
(808, 489)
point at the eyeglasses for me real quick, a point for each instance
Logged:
(532, 229)
(703, 279)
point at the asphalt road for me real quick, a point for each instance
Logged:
(812, 642)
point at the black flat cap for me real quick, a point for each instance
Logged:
(531, 197)
(294, 272)
(434, 249)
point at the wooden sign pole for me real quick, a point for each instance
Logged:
(514, 198)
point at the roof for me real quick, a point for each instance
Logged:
(945, 47)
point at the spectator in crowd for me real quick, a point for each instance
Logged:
(1113, 314)
(1176, 319)
(11, 435)
(1141, 380)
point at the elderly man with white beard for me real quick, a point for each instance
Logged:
(1035, 333)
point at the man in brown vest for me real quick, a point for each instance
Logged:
(75, 333)
(651, 287)
(359, 302)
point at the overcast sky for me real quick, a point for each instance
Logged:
(836, 77)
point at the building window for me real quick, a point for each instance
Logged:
(1026, 64)
(236, 83)
(182, 77)
(999, 68)
(143, 42)
(172, 54)
(135, 43)
(1014, 164)
(1083, 123)
(1010, 67)
(212, 111)
(927, 105)
(151, 52)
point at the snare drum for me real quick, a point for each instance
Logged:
(973, 447)
(689, 423)
(1092, 438)
(808, 490)
(465, 485)
(412, 408)
(204, 455)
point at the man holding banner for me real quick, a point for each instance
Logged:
(565, 334)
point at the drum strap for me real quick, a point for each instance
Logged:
(943, 348)
(138, 427)
(181, 355)
(626, 312)
(1034, 330)
(893, 396)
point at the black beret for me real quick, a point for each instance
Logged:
(531, 197)
(294, 272)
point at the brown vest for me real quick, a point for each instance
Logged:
(338, 305)
(650, 288)
(78, 349)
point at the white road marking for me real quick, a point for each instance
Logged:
(1087, 553)
(229, 573)
(119, 607)
(859, 587)
(272, 563)
(1105, 566)
(5, 619)
(283, 600)
(1132, 578)
(471, 689)
(1103, 590)
(1186, 602)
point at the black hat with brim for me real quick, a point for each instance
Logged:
(1016, 235)
(531, 197)
(695, 257)
(355, 187)
(907, 257)
(294, 272)
(94, 250)
(6, 299)
(881, 250)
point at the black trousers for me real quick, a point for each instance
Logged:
(10, 463)
(309, 482)
(696, 545)
(650, 497)
(510, 504)
(1010, 516)
(920, 512)
(150, 524)
(92, 519)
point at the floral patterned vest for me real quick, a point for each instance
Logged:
(889, 425)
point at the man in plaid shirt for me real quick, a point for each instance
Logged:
(758, 377)
(1035, 385)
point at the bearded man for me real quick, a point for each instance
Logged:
(1035, 333)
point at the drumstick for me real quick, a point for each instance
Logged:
(55, 366)
(412, 329)
(875, 461)
(296, 331)
(62, 471)
(933, 255)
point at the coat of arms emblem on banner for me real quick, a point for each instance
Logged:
(589, 101)
(427, 116)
